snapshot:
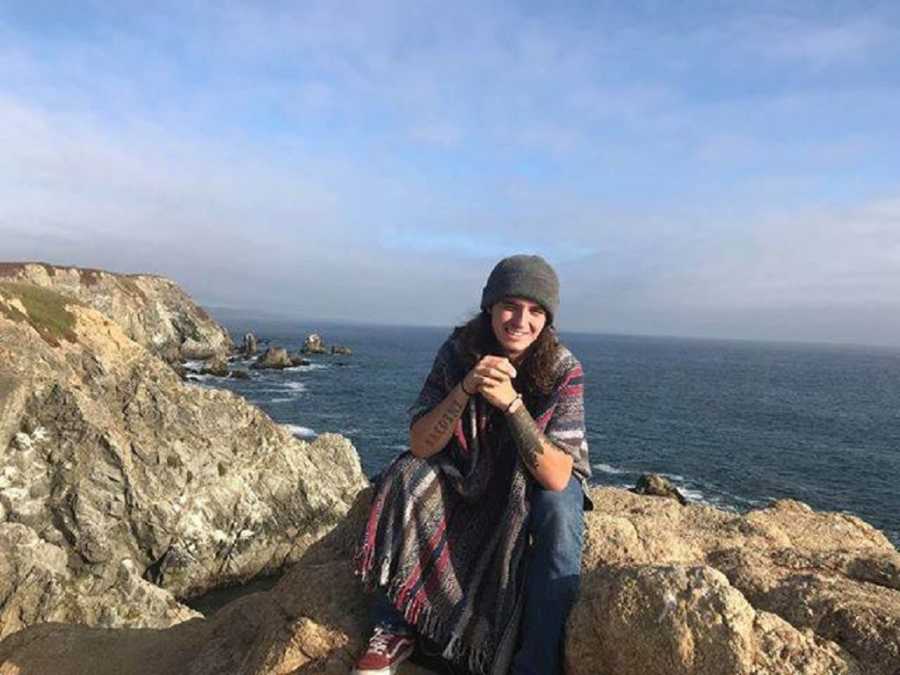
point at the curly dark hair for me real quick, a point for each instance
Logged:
(536, 371)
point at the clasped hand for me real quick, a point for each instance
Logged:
(492, 378)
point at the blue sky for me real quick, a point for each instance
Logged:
(710, 169)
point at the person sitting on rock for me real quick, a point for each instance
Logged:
(475, 534)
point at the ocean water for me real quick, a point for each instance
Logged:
(734, 424)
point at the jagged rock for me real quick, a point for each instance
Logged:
(170, 353)
(667, 590)
(240, 375)
(654, 484)
(314, 344)
(194, 350)
(297, 360)
(273, 357)
(39, 585)
(340, 349)
(217, 367)
(107, 456)
(250, 345)
(153, 311)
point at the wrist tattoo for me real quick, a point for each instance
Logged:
(527, 436)
(445, 423)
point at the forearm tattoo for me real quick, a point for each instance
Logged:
(445, 423)
(527, 436)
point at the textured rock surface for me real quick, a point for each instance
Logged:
(273, 357)
(153, 311)
(217, 367)
(112, 469)
(658, 486)
(250, 345)
(668, 589)
(682, 620)
(38, 585)
(310, 622)
(314, 344)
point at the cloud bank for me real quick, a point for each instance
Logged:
(728, 173)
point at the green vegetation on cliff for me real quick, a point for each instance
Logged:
(45, 311)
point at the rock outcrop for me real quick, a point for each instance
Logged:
(314, 344)
(38, 585)
(667, 590)
(114, 473)
(217, 367)
(658, 486)
(153, 311)
(273, 357)
(250, 345)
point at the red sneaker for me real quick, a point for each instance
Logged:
(385, 653)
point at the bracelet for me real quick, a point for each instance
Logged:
(517, 398)
(462, 385)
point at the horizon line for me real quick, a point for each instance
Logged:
(264, 315)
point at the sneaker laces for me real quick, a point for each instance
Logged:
(380, 640)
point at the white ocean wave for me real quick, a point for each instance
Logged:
(311, 366)
(693, 494)
(672, 476)
(300, 432)
(606, 468)
(279, 399)
(295, 386)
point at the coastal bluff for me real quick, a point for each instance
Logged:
(125, 490)
(153, 311)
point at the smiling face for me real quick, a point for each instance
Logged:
(517, 323)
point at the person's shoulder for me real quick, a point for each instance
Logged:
(451, 347)
(565, 359)
(566, 363)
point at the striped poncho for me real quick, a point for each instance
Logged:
(446, 536)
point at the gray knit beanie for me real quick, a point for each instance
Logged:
(524, 276)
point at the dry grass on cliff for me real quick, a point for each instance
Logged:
(45, 311)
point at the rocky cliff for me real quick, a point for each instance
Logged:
(153, 311)
(667, 590)
(123, 488)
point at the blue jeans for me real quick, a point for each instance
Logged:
(556, 527)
